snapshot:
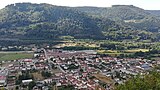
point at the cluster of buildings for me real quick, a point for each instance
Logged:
(10, 74)
(84, 70)
(79, 66)
(3, 76)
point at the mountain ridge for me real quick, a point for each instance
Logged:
(46, 21)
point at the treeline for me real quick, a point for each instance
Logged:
(150, 81)
(125, 46)
(147, 55)
(28, 42)
(79, 48)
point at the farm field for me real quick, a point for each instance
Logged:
(136, 50)
(15, 55)
(118, 52)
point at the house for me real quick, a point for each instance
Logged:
(45, 88)
(3, 81)
(145, 67)
(3, 76)
(26, 82)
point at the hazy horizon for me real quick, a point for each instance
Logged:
(145, 4)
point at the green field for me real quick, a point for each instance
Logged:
(15, 55)
(136, 50)
(118, 52)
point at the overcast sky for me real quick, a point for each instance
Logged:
(145, 4)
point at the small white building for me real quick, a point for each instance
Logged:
(26, 82)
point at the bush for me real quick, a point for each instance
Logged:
(146, 82)
(46, 74)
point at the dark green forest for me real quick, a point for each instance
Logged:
(48, 22)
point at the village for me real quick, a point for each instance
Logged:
(77, 70)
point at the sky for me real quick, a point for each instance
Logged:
(145, 4)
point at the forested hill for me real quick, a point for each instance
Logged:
(45, 21)
(155, 12)
(135, 17)
(116, 12)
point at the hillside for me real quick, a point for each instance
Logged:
(116, 12)
(154, 12)
(135, 17)
(49, 22)
(44, 21)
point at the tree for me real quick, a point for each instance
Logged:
(46, 74)
(147, 82)
(31, 85)
(17, 88)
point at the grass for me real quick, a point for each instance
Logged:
(57, 70)
(107, 51)
(103, 78)
(118, 52)
(112, 52)
(14, 56)
(37, 76)
(136, 50)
